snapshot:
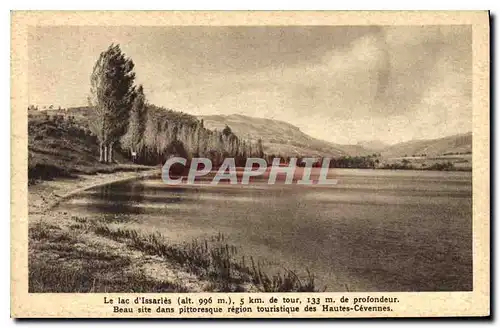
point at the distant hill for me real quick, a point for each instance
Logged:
(374, 145)
(456, 144)
(279, 137)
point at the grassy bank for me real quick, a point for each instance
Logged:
(61, 147)
(102, 255)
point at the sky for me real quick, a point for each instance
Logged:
(343, 84)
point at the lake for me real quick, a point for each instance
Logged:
(375, 230)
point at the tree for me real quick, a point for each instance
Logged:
(137, 122)
(260, 149)
(227, 131)
(112, 93)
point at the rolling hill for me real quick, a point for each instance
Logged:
(374, 145)
(456, 144)
(283, 138)
(279, 137)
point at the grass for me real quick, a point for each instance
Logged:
(40, 231)
(89, 278)
(61, 261)
(57, 265)
(215, 259)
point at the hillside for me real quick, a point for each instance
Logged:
(456, 144)
(279, 137)
(60, 142)
(373, 145)
(62, 146)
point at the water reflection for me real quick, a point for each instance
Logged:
(131, 197)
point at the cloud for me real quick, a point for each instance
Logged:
(343, 84)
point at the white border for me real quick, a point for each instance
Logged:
(185, 5)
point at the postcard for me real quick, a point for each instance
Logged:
(287, 164)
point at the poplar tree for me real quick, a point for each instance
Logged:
(112, 93)
(137, 122)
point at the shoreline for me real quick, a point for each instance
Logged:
(59, 238)
(47, 194)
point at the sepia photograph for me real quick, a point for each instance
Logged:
(265, 158)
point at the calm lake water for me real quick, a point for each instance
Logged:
(376, 230)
